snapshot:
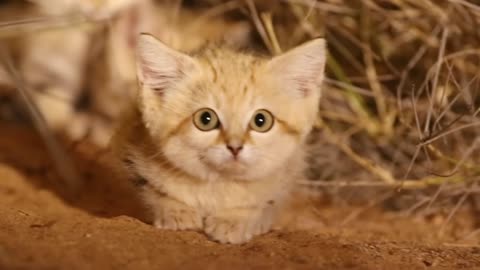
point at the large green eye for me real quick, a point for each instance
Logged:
(206, 119)
(262, 121)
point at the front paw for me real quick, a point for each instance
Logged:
(234, 230)
(178, 219)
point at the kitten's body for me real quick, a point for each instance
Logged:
(192, 179)
(191, 198)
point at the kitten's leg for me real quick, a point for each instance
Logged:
(171, 214)
(239, 225)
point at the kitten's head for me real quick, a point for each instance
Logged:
(221, 113)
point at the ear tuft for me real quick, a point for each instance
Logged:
(302, 68)
(158, 66)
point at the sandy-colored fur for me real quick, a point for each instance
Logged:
(188, 176)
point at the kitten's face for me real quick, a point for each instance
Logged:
(224, 114)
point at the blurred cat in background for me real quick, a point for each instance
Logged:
(81, 76)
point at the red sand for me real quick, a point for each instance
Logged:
(42, 227)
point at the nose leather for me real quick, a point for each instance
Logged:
(234, 149)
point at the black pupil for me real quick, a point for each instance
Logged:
(205, 118)
(259, 120)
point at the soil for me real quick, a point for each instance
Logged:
(44, 226)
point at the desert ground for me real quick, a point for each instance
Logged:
(44, 226)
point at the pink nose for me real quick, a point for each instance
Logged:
(234, 149)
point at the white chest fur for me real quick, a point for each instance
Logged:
(211, 196)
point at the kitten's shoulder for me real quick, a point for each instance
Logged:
(131, 134)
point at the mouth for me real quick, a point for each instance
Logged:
(236, 164)
(235, 167)
(232, 166)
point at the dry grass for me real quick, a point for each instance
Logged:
(401, 103)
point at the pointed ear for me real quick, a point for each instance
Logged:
(160, 67)
(301, 70)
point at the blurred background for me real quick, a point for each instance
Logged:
(399, 120)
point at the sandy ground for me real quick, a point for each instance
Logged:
(42, 226)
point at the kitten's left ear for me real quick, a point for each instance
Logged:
(160, 67)
(301, 70)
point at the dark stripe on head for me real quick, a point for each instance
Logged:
(288, 128)
(127, 162)
(214, 71)
(139, 181)
(179, 126)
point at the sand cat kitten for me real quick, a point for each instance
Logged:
(217, 138)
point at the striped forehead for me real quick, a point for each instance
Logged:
(232, 78)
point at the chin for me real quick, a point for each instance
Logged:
(233, 168)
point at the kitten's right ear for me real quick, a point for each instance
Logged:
(301, 70)
(160, 67)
